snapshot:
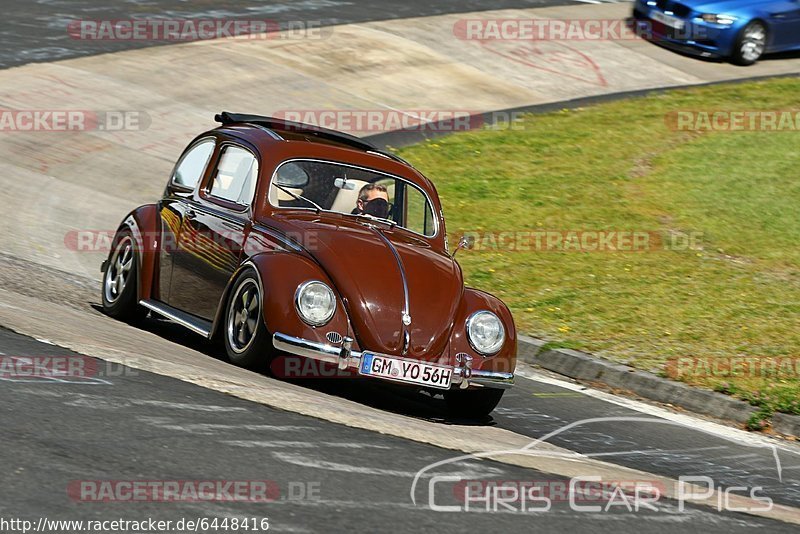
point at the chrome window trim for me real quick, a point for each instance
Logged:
(185, 153)
(224, 145)
(232, 216)
(436, 220)
(272, 133)
(277, 235)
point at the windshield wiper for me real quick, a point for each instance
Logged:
(298, 197)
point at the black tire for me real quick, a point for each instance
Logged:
(472, 403)
(749, 48)
(120, 286)
(245, 337)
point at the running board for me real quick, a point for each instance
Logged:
(195, 324)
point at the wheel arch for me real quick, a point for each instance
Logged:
(473, 300)
(143, 225)
(226, 294)
(279, 273)
(760, 18)
(767, 28)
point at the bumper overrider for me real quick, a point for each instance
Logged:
(346, 358)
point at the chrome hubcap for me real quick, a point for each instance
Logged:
(119, 270)
(754, 42)
(243, 316)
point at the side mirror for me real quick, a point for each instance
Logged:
(292, 175)
(466, 242)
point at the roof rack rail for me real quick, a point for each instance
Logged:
(226, 118)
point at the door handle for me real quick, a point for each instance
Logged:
(190, 213)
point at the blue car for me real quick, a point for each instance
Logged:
(739, 30)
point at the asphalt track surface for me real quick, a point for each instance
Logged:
(133, 425)
(614, 432)
(36, 30)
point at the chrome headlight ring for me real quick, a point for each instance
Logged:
(315, 302)
(485, 332)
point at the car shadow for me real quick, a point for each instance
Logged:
(385, 396)
(782, 55)
(394, 398)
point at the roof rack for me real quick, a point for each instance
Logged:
(273, 123)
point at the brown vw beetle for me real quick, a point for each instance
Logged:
(277, 237)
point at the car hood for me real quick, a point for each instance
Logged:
(360, 260)
(716, 7)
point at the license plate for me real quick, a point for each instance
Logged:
(409, 371)
(668, 20)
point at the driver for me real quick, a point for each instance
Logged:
(373, 199)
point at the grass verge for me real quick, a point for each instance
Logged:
(720, 275)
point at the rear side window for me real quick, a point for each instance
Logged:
(235, 179)
(193, 164)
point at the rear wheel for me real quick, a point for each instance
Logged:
(246, 338)
(472, 403)
(120, 281)
(751, 44)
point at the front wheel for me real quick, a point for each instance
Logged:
(472, 403)
(246, 338)
(120, 291)
(751, 44)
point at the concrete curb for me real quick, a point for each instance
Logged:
(788, 425)
(585, 367)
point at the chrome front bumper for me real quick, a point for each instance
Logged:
(346, 358)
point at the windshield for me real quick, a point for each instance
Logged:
(356, 191)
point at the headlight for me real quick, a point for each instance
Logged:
(315, 302)
(485, 332)
(725, 20)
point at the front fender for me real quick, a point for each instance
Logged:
(281, 273)
(505, 361)
(143, 224)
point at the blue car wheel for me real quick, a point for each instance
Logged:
(751, 44)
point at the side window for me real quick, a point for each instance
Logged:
(235, 178)
(193, 164)
(419, 217)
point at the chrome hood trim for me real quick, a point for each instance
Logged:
(406, 306)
